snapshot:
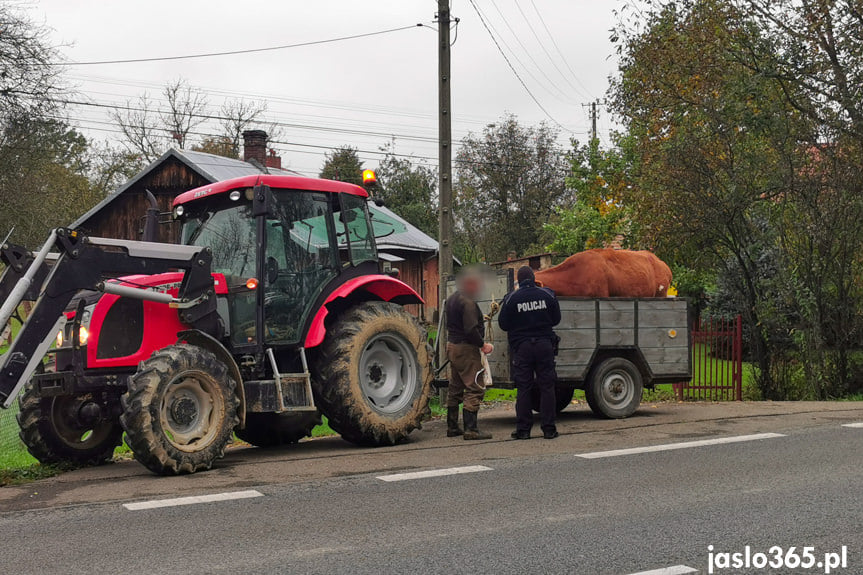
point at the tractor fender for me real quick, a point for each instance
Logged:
(384, 288)
(211, 344)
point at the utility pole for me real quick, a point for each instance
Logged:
(445, 152)
(592, 121)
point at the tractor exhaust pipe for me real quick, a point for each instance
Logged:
(151, 223)
(20, 289)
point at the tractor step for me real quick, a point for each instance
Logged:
(293, 390)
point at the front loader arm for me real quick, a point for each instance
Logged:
(84, 263)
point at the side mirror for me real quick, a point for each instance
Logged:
(261, 200)
(379, 202)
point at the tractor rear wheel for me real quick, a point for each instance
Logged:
(275, 429)
(373, 373)
(53, 431)
(180, 410)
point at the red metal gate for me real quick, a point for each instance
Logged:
(717, 362)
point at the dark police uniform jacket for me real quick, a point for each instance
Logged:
(531, 312)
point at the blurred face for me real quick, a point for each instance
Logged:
(471, 285)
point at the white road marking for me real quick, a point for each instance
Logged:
(156, 503)
(683, 445)
(434, 473)
(852, 425)
(675, 570)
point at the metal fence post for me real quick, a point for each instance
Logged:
(738, 358)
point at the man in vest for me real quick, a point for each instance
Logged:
(528, 315)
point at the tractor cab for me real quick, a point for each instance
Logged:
(279, 242)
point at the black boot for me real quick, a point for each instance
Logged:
(470, 429)
(452, 428)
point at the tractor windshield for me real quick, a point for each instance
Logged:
(230, 233)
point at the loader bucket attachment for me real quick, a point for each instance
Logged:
(84, 263)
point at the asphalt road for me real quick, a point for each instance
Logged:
(540, 509)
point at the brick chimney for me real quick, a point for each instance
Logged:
(274, 161)
(255, 146)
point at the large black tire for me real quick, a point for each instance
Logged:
(53, 435)
(275, 429)
(614, 388)
(180, 410)
(372, 376)
(562, 398)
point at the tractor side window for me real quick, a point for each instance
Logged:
(358, 230)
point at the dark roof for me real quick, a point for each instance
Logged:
(411, 239)
(209, 166)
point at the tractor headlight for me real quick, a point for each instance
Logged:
(60, 338)
(83, 335)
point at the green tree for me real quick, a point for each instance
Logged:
(717, 146)
(409, 188)
(599, 179)
(343, 164)
(47, 186)
(509, 182)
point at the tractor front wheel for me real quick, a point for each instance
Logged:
(56, 430)
(180, 410)
(372, 375)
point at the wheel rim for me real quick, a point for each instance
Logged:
(67, 424)
(618, 388)
(389, 373)
(191, 411)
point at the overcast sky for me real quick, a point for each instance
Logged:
(384, 84)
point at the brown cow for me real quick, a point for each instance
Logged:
(608, 273)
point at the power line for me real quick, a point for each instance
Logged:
(546, 52)
(413, 158)
(235, 52)
(557, 47)
(528, 54)
(514, 71)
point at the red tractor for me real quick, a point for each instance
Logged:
(272, 311)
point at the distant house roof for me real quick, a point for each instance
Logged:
(211, 167)
(405, 237)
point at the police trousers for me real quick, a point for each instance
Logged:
(533, 373)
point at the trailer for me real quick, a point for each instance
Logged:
(612, 348)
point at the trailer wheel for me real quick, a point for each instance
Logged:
(372, 376)
(51, 429)
(180, 410)
(275, 429)
(562, 398)
(614, 388)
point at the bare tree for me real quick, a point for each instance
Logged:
(186, 110)
(30, 83)
(140, 124)
(237, 116)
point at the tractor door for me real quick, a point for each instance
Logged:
(298, 262)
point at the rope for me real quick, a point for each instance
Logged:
(493, 308)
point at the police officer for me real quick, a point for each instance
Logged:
(528, 316)
(465, 344)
